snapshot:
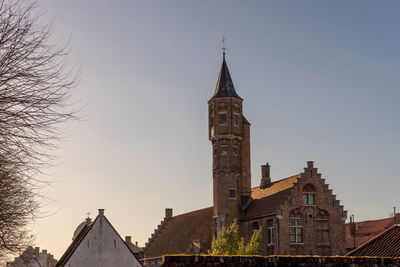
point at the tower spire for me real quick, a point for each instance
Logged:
(225, 85)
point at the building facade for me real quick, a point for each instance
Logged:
(298, 215)
(33, 257)
(98, 244)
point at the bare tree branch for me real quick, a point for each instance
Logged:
(35, 88)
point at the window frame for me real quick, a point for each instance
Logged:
(232, 189)
(298, 230)
(270, 230)
(225, 120)
(306, 198)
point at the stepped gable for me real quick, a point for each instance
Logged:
(385, 244)
(269, 200)
(366, 230)
(178, 233)
(266, 201)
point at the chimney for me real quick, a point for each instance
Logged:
(168, 213)
(101, 212)
(44, 251)
(310, 164)
(37, 250)
(265, 176)
(136, 244)
(128, 239)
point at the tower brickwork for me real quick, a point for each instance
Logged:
(229, 133)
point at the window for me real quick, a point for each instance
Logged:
(236, 120)
(232, 193)
(255, 225)
(235, 150)
(308, 195)
(296, 230)
(223, 118)
(271, 229)
(215, 151)
(224, 150)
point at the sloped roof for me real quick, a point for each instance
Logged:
(78, 239)
(178, 233)
(386, 244)
(224, 84)
(366, 230)
(75, 243)
(266, 201)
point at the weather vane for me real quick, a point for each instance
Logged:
(223, 44)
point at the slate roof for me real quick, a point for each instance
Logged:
(266, 201)
(224, 84)
(386, 244)
(366, 230)
(179, 232)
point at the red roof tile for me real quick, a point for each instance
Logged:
(266, 201)
(366, 230)
(386, 244)
(180, 231)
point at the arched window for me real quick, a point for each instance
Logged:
(308, 195)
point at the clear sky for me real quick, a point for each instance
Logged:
(320, 81)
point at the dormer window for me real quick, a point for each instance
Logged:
(308, 195)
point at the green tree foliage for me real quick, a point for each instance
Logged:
(228, 242)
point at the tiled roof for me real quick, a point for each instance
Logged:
(266, 201)
(75, 243)
(386, 244)
(366, 230)
(224, 84)
(180, 231)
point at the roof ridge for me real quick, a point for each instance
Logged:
(375, 220)
(190, 212)
(290, 177)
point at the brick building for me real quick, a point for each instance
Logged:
(298, 214)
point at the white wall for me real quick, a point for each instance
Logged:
(102, 247)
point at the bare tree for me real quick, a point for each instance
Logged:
(35, 91)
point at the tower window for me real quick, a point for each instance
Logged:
(224, 150)
(235, 150)
(223, 118)
(236, 120)
(232, 193)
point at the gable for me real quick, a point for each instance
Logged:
(98, 245)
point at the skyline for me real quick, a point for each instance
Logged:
(318, 82)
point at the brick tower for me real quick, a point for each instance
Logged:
(229, 133)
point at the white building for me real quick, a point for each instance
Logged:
(97, 244)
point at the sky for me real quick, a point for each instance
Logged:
(319, 81)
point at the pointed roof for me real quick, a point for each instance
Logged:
(77, 240)
(224, 84)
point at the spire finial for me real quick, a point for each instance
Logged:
(223, 45)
